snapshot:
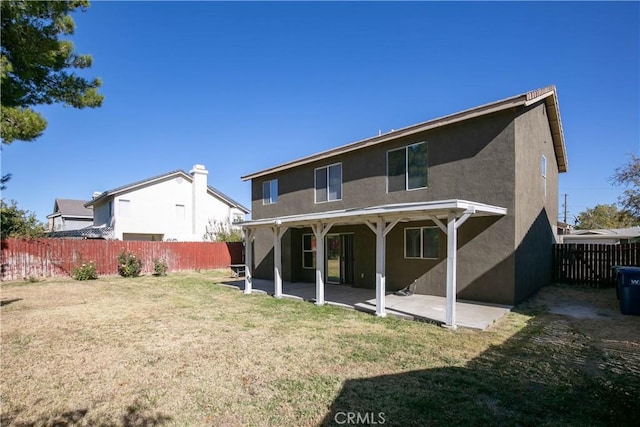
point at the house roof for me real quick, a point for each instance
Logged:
(158, 178)
(90, 232)
(71, 208)
(548, 94)
(621, 233)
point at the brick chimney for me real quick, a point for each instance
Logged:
(199, 196)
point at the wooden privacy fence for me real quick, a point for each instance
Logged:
(591, 263)
(23, 258)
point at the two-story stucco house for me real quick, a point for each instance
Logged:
(175, 206)
(460, 206)
(69, 214)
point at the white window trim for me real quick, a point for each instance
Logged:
(308, 250)
(315, 186)
(406, 167)
(121, 209)
(264, 200)
(543, 165)
(421, 242)
(178, 207)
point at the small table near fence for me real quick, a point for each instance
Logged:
(238, 269)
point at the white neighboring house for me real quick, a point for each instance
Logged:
(604, 236)
(175, 206)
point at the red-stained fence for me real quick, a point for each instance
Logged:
(23, 258)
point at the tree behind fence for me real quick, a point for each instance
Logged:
(591, 263)
(23, 258)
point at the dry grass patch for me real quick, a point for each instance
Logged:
(181, 350)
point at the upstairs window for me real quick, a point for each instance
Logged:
(124, 208)
(270, 192)
(422, 242)
(180, 212)
(407, 168)
(329, 183)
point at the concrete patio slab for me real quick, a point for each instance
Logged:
(426, 308)
(469, 314)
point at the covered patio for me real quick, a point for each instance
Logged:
(448, 215)
(425, 308)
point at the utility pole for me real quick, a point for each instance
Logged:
(565, 208)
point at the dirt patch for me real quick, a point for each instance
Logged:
(580, 311)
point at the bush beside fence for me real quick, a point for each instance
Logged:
(24, 258)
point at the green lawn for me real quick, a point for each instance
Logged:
(182, 350)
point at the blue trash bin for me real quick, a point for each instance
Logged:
(628, 287)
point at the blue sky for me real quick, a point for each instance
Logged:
(241, 87)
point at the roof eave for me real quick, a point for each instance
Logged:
(125, 189)
(227, 199)
(555, 124)
(548, 94)
(406, 131)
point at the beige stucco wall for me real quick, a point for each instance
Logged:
(493, 159)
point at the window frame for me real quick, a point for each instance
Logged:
(271, 200)
(328, 185)
(124, 208)
(237, 217)
(406, 166)
(421, 245)
(181, 211)
(312, 250)
(543, 170)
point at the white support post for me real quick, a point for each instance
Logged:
(319, 266)
(320, 231)
(381, 229)
(452, 240)
(381, 310)
(249, 235)
(277, 259)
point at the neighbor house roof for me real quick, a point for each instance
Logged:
(90, 232)
(548, 94)
(622, 233)
(70, 208)
(159, 178)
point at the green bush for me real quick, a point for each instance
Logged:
(160, 267)
(85, 271)
(128, 264)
